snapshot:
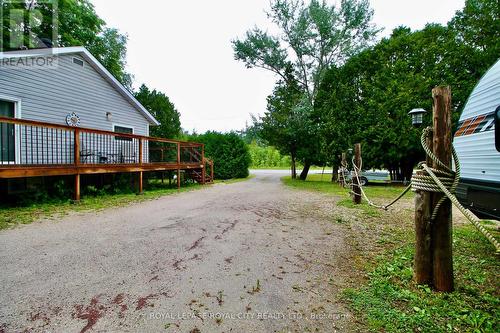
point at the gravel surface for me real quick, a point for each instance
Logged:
(252, 256)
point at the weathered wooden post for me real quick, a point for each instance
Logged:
(433, 238)
(343, 164)
(441, 231)
(356, 187)
(422, 266)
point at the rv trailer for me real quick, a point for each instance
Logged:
(477, 142)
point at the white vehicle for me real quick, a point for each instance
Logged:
(477, 142)
(368, 176)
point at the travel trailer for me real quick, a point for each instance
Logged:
(477, 142)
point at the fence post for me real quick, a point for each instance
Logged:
(441, 231)
(423, 256)
(342, 174)
(355, 184)
(76, 152)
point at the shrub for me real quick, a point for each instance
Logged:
(267, 157)
(229, 153)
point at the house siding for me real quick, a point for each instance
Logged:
(50, 94)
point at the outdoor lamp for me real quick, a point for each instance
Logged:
(417, 116)
(349, 151)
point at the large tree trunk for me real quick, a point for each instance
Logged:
(407, 169)
(294, 166)
(335, 173)
(305, 171)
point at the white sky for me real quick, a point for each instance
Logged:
(183, 48)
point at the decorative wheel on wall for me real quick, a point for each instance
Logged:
(73, 120)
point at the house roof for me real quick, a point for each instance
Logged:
(82, 51)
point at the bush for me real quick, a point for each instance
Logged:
(229, 153)
(267, 157)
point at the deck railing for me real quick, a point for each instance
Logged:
(26, 143)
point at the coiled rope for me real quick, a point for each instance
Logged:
(430, 179)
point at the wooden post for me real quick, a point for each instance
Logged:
(441, 231)
(212, 171)
(76, 153)
(422, 266)
(178, 165)
(140, 185)
(77, 187)
(356, 186)
(343, 162)
(140, 151)
(203, 164)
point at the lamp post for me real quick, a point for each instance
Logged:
(417, 116)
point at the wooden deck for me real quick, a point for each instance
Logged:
(34, 149)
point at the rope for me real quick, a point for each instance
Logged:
(430, 179)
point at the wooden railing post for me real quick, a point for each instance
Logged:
(203, 165)
(76, 147)
(140, 190)
(140, 151)
(178, 165)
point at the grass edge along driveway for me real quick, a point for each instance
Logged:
(384, 296)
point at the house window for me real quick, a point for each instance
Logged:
(123, 129)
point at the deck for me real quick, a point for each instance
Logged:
(33, 149)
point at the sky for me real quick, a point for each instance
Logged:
(183, 48)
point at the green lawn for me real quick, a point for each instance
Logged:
(387, 299)
(321, 183)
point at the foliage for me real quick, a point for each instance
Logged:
(77, 25)
(390, 301)
(228, 152)
(159, 105)
(367, 99)
(385, 298)
(267, 157)
(95, 199)
(313, 37)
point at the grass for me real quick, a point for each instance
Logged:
(12, 216)
(388, 300)
(322, 183)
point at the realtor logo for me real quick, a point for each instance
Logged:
(28, 25)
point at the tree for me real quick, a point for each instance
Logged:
(77, 25)
(280, 123)
(313, 37)
(367, 99)
(159, 105)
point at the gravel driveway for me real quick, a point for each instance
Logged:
(252, 256)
